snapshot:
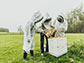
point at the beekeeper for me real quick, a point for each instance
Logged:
(60, 25)
(29, 32)
(42, 27)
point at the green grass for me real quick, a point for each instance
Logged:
(11, 50)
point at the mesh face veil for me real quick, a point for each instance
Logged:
(60, 18)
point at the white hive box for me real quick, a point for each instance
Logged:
(57, 46)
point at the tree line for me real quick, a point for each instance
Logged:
(4, 30)
(75, 20)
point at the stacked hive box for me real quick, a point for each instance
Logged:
(57, 46)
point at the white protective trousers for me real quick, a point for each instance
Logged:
(28, 38)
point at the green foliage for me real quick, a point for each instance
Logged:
(11, 50)
(20, 29)
(77, 51)
(76, 21)
(4, 30)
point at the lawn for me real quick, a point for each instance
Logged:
(11, 50)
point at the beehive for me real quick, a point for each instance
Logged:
(57, 46)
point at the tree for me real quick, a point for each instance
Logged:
(75, 20)
(4, 30)
(20, 29)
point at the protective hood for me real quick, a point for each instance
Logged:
(37, 16)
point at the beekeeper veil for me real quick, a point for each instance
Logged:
(47, 17)
(60, 18)
(37, 17)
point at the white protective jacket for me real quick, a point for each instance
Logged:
(30, 31)
(42, 25)
(60, 28)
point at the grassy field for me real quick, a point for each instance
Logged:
(11, 50)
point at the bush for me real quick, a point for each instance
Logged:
(4, 30)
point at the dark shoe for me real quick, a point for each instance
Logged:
(31, 52)
(25, 59)
(25, 56)
(46, 51)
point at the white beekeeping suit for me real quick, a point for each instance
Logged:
(45, 24)
(42, 26)
(61, 26)
(30, 31)
(48, 22)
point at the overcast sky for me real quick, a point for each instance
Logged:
(17, 12)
